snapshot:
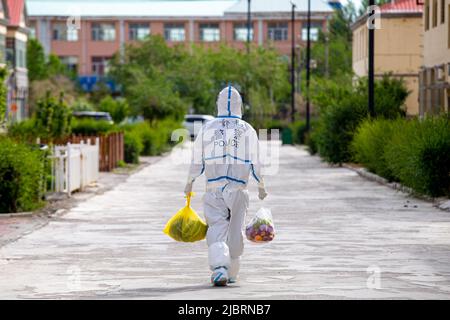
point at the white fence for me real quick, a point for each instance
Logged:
(74, 166)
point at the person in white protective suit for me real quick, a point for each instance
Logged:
(226, 150)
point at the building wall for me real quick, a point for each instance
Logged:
(398, 49)
(435, 74)
(85, 48)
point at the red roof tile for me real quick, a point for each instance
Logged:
(15, 9)
(400, 6)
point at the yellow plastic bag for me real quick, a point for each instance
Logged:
(186, 225)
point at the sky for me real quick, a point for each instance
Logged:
(356, 2)
(343, 1)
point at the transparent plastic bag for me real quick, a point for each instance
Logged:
(186, 225)
(261, 228)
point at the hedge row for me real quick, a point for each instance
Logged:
(143, 138)
(340, 114)
(294, 132)
(148, 139)
(22, 171)
(414, 152)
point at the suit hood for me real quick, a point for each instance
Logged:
(229, 103)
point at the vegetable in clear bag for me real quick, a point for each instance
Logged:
(261, 228)
(186, 225)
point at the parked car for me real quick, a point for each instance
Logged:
(190, 119)
(95, 115)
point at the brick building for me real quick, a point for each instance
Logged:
(103, 27)
(435, 71)
(13, 42)
(398, 46)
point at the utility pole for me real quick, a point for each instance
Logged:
(308, 66)
(249, 24)
(293, 63)
(371, 75)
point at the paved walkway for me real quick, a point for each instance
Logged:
(339, 237)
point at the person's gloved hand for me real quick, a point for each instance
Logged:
(188, 188)
(262, 193)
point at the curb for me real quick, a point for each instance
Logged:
(440, 203)
(17, 214)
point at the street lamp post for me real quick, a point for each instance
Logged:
(308, 66)
(371, 62)
(293, 63)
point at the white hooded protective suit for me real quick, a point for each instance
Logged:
(226, 150)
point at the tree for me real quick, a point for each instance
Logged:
(41, 67)
(52, 117)
(160, 81)
(342, 20)
(100, 91)
(365, 5)
(47, 74)
(339, 42)
(55, 67)
(36, 61)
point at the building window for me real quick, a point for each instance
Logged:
(62, 33)
(442, 11)
(435, 13)
(427, 14)
(209, 32)
(278, 31)
(174, 32)
(103, 32)
(313, 31)
(16, 51)
(139, 31)
(100, 65)
(241, 31)
(71, 63)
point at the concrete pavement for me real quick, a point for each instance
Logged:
(338, 237)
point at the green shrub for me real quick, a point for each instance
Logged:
(118, 109)
(156, 138)
(337, 125)
(342, 111)
(21, 177)
(52, 118)
(91, 127)
(82, 104)
(276, 124)
(24, 131)
(149, 139)
(121, 164)
(419, 155)
(132, 146)
(311, 141)
(298, 132)
(369, 144)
